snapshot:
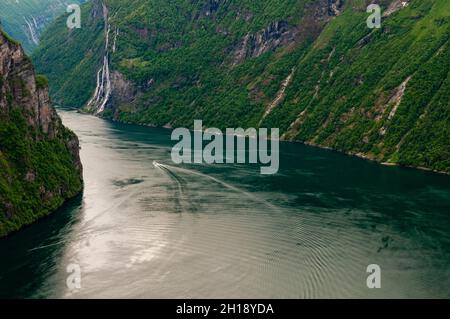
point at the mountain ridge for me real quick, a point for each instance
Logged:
(312, 68)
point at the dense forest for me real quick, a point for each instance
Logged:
(313, 68)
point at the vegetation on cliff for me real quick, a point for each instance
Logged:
(310, 67)
(39, 162)
(25, 20)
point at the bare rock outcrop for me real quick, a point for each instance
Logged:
(281, 33)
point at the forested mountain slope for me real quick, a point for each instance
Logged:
(25, 20)
(39, 162)
(313, 68)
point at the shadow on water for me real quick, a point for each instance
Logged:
(404, 211)
(309, 231)
(30, 256)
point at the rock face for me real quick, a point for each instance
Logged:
(16, 69)
(39, 158)
(124, 91)
(281, 34)
(254, 45)
(395, 6)
(335, 7)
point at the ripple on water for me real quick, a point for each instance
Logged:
(148, 228)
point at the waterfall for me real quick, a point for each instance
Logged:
(103, 89)
(115, 40)
(32, 27)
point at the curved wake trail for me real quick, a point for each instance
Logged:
(179, 194)
(218, 181)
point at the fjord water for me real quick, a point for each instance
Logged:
(147, 228)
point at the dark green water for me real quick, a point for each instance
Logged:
(226, 231)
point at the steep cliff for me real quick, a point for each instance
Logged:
(39, 158)
(313, 68)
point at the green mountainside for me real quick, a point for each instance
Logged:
(310, 67)
(39, 162)
(25, 20)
